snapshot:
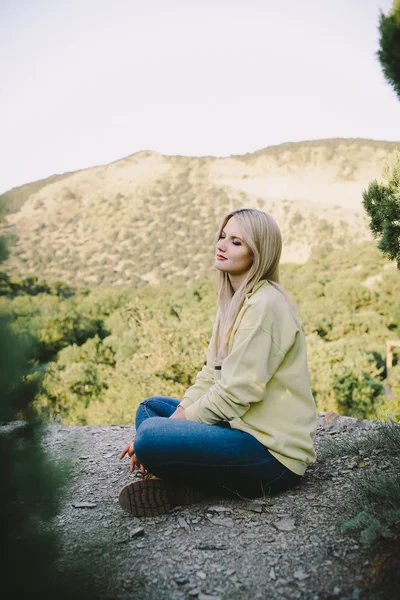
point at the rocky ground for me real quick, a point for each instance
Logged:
(289, 546)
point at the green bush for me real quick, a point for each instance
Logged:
(67, 391)
(356, 392)
(345, 377)
(53, 323)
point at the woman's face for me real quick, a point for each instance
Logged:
(237, 258)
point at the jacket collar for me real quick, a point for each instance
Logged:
(256, 287)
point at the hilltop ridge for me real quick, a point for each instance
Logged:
(134, 220)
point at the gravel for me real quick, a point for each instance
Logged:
(288, 546)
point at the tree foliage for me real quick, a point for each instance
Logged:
(382, 199)
(382, 203)
(32, 286)
(389, 52)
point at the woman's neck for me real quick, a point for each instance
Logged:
(236, 281)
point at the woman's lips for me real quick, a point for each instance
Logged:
(220, 257)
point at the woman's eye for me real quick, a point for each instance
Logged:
(235, 243)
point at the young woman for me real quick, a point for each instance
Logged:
(247, 425)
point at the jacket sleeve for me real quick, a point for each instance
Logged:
(204, 380)
(245, 372)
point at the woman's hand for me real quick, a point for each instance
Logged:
(129, 449)
(179, 413)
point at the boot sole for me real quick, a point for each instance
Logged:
(153, 497)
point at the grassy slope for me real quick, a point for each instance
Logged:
(13, 200)
(150, 218)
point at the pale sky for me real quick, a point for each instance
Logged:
(87, 82)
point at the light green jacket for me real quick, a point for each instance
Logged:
(263, 387)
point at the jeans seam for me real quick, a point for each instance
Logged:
(161, 401)
(279, 477)
(218, 465)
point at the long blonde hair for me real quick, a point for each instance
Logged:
(263, 237)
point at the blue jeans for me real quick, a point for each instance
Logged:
(207, 456)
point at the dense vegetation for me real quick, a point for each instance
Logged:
(102, 351)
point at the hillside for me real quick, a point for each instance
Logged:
(149, 217)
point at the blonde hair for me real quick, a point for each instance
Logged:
(264, 240)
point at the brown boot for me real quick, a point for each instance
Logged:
(151, 497)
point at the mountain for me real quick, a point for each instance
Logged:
(150, 217)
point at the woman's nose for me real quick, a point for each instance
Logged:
(221, 246)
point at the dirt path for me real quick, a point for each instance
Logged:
(289, 546)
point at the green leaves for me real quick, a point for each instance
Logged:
(382, 203)
(389, 52)
(382, 200)
(356, 391)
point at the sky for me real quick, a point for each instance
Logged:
(87, 82)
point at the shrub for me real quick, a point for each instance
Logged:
(356, 392)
